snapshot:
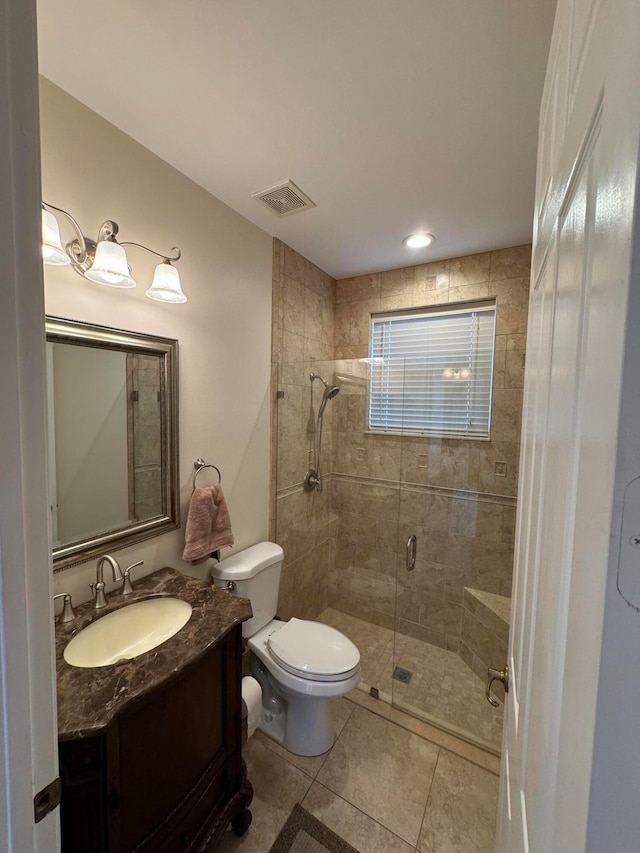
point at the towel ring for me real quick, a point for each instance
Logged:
(200, 465)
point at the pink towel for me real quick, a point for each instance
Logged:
(208, 524)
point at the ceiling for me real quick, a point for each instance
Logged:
(392, 115)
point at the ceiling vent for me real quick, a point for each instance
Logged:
(283, 199)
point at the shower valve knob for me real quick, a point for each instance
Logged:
(312, 481)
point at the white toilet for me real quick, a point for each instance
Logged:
(300, 665)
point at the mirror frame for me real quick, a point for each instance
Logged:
(61, 330)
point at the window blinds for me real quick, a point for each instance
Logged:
(432, 372)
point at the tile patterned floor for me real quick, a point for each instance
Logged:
(382, 788)
(442, 688)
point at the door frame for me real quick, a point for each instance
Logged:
(590, 689)
(28, 731)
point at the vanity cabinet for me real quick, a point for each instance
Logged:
(166, 774)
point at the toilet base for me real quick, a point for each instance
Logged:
(302, 724)
(304, 730)
(273, 725)
(309, 728)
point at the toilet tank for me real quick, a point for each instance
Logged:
(256, 575)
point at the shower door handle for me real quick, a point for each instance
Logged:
(412, 548)
(496, 675)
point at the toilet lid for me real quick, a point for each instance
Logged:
(314, 650)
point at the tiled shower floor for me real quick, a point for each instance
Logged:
(442, 689)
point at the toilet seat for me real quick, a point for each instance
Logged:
(313, 651)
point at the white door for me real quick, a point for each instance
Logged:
(28, 731)
(571, 752)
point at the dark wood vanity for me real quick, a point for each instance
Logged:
(150, 748)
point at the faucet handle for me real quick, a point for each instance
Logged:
(68, 614)
(99, 598)
(127, 589)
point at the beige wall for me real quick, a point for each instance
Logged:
(96, 172)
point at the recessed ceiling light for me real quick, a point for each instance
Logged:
(418, 241)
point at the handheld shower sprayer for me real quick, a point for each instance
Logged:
(313, 477)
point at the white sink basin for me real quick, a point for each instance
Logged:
(128, 632)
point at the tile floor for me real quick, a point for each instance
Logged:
(442, 688)
(382, 787)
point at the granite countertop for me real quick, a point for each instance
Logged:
(88, 699)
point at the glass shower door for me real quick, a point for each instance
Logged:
(457, 528)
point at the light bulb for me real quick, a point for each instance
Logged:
(418, 240)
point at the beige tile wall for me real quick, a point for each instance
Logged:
(445, 491)
(485, 633)
(303, 331)
(346, 547)
(144, 436)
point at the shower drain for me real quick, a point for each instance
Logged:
(402, 675)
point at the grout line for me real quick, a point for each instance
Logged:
(358, 809)
(270, 743)
(384, 710)
(426, 805)
(449, 729)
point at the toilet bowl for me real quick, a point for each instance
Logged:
(309, 664)
(301, 665)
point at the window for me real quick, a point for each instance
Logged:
(431, 372)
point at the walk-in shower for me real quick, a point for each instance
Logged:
(345, 530)
(313, 477)
(427, 627)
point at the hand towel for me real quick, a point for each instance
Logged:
(208, 524)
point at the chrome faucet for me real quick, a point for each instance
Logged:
(99, 597)
(126, 588)
(68, 613)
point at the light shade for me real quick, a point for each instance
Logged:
(419, 240)
(52, 251)
(110, 266)
(165, 286)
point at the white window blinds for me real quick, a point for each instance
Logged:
(431, 372)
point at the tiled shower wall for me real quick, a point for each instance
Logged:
(456, 495)
(303, 332)
(346, 547)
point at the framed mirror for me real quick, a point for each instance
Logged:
(113, 438)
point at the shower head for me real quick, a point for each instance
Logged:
(330, 392)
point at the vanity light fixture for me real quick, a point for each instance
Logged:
(104, 260)
(418, 240)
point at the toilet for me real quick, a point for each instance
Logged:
(300, 665)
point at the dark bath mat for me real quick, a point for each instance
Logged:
(303, 833)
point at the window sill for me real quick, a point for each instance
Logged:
(414, 434)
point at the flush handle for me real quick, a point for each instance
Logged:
(412, 549)
(496, 675)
